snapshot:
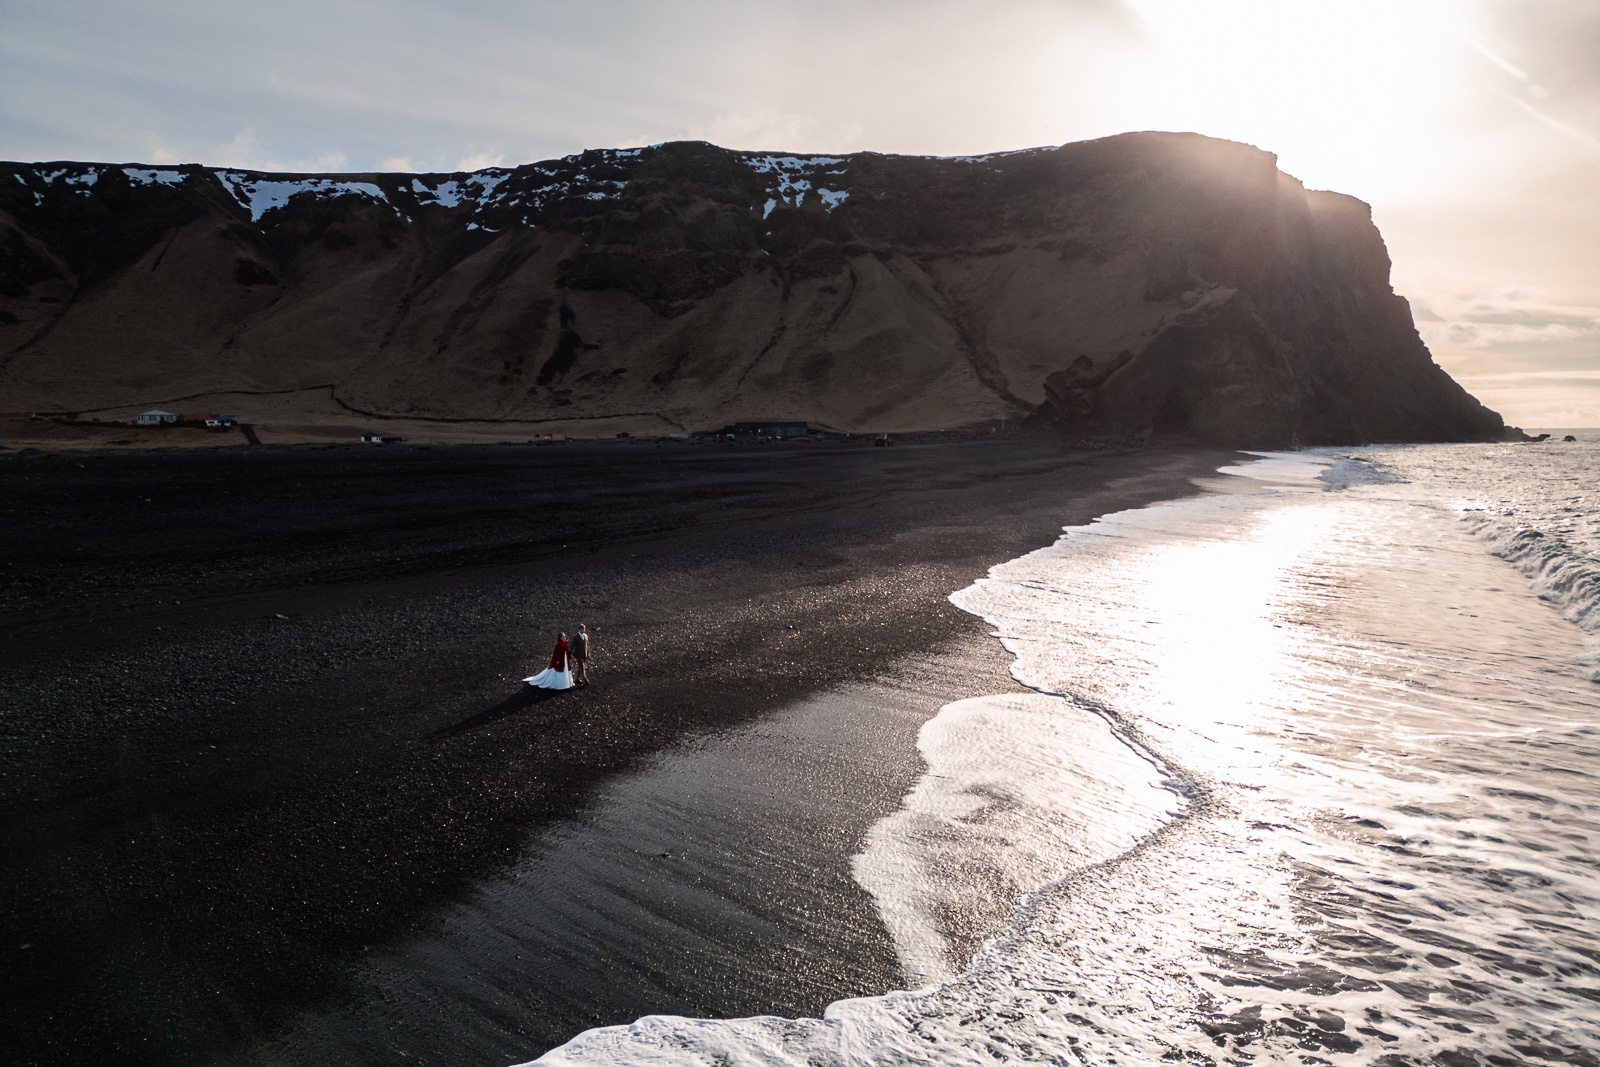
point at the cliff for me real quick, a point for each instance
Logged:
(1137, 286)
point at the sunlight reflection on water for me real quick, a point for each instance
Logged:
(1387, 846)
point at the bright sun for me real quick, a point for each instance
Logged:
(1356, 96)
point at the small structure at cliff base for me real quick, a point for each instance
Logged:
(769, 429)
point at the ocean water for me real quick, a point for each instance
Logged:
(1309, 773)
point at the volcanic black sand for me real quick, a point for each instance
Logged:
(262, 712)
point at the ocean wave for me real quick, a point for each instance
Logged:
(1559, 572)
(1379, 865)
(1357, 470)
(1021, 789)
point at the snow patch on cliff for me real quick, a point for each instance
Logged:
(991, 156)
(476, 188)
(153, 176)
(261, 195)
(792, 177)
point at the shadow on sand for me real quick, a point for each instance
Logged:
(526, 697)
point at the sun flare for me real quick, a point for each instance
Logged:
(1357, 97)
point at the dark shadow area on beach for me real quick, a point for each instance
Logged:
(713, 880)
(522, 700)
(257, 719)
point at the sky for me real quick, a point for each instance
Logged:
(1472, 127)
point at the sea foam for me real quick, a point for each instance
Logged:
(1341, 771)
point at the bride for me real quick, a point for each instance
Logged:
(559, 674)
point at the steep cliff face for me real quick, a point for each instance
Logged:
(1148, 284)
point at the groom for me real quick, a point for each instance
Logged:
(579, 651)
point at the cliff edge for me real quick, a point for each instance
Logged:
(1141, 286)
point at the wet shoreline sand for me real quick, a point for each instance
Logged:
(265, 712)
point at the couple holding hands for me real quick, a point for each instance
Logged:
(569, 663)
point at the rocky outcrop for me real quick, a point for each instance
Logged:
(1148, 285)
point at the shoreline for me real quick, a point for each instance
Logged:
(325, 742)
(714, 879)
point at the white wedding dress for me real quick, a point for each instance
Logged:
(550, 678)
(554, 677)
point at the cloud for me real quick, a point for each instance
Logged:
(1588, 142)
(1578, 379)
(1548, 399)
(779, 130)
(1514, 321)
(241, 151)
(1497, 335)
(1494, 57)
(481, 161)
(1533, 359)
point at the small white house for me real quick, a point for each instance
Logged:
(155, 417)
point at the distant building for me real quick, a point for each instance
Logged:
(155, 417)
(771, 429)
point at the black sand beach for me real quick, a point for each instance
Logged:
(263, 716)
